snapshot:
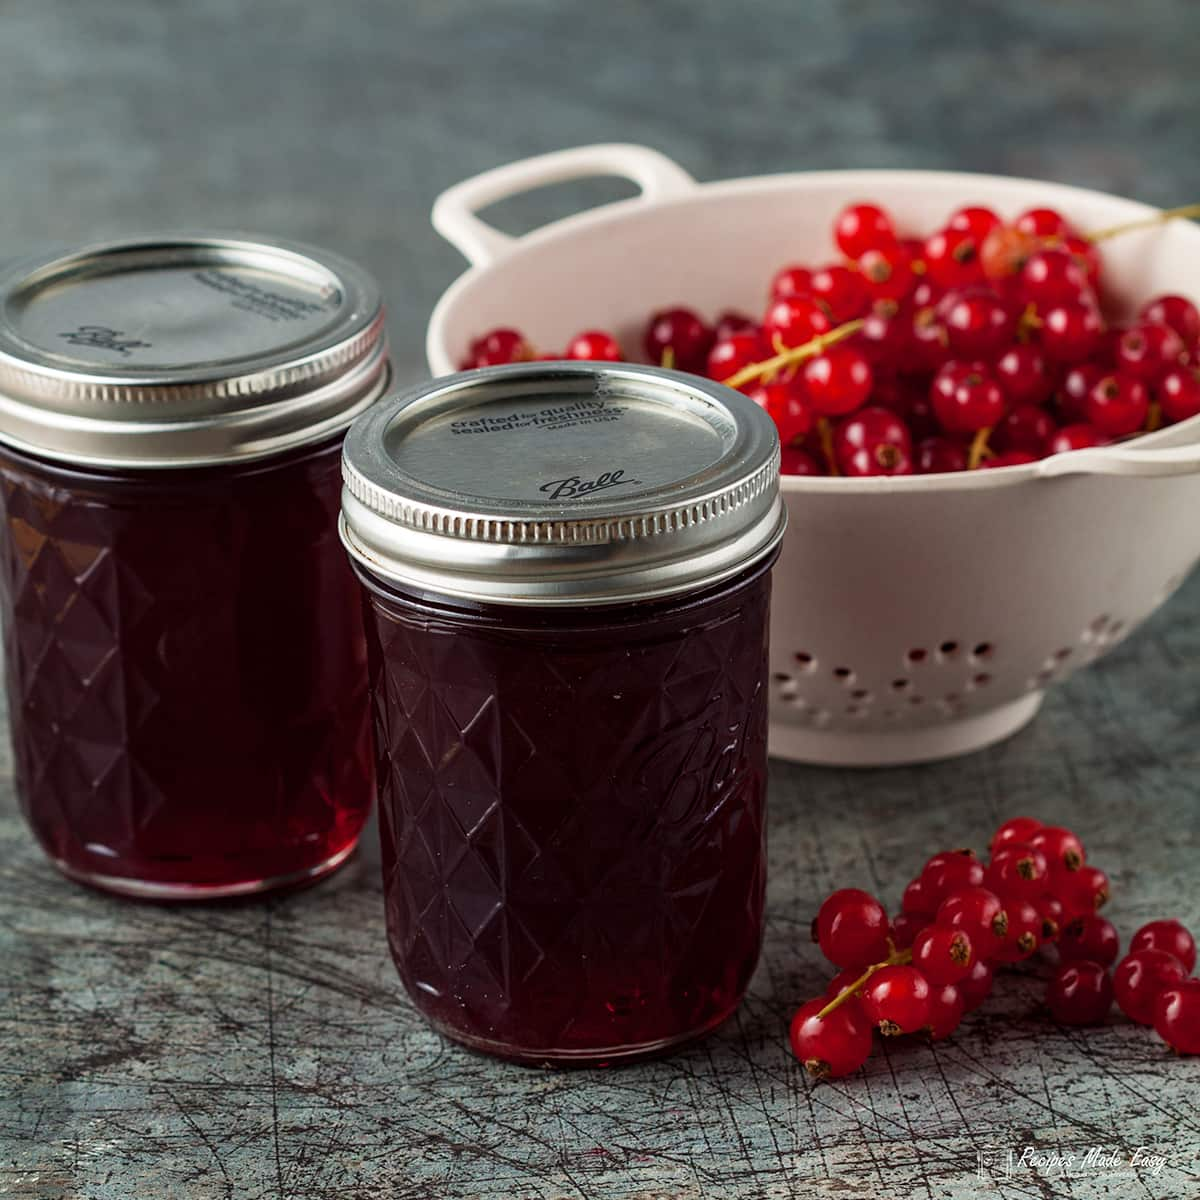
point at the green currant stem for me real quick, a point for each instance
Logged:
(979, 448)
(668, 358)
(897, 958)
(1167, 214)
(825, 433)
(1153, 416)
(795, 355)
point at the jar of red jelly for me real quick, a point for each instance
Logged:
(185, 655)
(567, 569)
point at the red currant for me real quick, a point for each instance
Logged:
(1178, 393)
(972, 219)
(886, 272)
(938, 454)
(1063, 850)
(681, 332)
(942, 954)
(1050, 909)
(730, 354)
(883, 339)
(1004, 251)
(796, 461)
(977, 986)
(896, 1000)
(786, 406)
(842, 292)
(793, 322)
(1118, 405)
(1090, 937)
(980, 913)
(498, 347)
(946, 1007)
(949, 871)
(873, 441)
(1146, 350)
(1083, 891)
(1024, 934)
(1177, 1016)
(838, 381)
(1140, 977)
(1027, 428)
(1021, 371)
(852, 928)
(1053, 276)
(790, 282)
(1087, 255)
(1171, 936)
(1079, 993)
(978, 324)
(906, 926)
(1043, 223)
(952, 259)
(1075, 437)
(731, 322)
(862, 227)
(966, 398)
(1071, 331)
(1018, 869)
(1015, 829)
(928, 343)
(915, 899)
(594, 345)
(1077, 385)
(842, 980)
(834, 1045)
(1180, 314)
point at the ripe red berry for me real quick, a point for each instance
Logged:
(790, 282)
(966, 399)
(1178, 393)
(1015, 829)
(1083, 891)
(1171, 936)
(973, 219)
(731, 322)
(595, 345)
(980, 913)
(977, 986)
(1118, 405)
(915, 899)
(1177, 1016)
(838, 381)
(1063, 850)
(1018, 869)
(1022, 372)
(1075, 437)
(949, 871)
(1075, 388)
(842, 980)
(499, 347)
(1177, 312)
(1050, 909)
(896, 1000)
(1146, 350)
(1079, 993)
(1024, 933)
(946, 1007)
(928, 344)
(730, 354)
(786, 405)
(862, 227)
(1071, 331)
(793, 322)
(978, 323)
(937, 454)
(831, 1046)
(906, 926)
(1027, 428)
(1053, 276)
(1090, 937)
(852, 928)
(952, 259)
(1140, 977)
(1087, 255)
(886, 272)
(1004, 252)
(942, 954)
(1043, 223)
(842, 292)
(683, 334)
(883, 338)
(873, 441)
(795, 461)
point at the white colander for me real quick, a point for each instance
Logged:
(913, 618)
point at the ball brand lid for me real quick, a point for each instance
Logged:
(562, 483)
(180, 350)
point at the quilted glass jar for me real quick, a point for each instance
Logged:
(567, 574)
(184, 650)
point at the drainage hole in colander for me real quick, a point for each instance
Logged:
(916, 699)
(900, 684)
(1063, 654)
(845, 674)
(782, 677)
(917, 656)
(805, 661)
(981, 680)
(947, 650)
(983, 651)
(1100, 623)
(1116, 629)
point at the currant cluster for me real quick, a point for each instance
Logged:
(960, 920)
(982, 345)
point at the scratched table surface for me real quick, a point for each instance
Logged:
(265, 1050)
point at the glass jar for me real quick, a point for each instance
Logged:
(186, 662)
(567, 570)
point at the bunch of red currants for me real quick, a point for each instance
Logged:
(983, 345)
(960, 919)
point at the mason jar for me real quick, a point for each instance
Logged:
(185, 656)
(567, 576)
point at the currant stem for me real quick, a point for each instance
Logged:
(668, 358)
(895, 959)
(1153, 416)
(979, 448)
(1190, 211)
(795, 355)
(825, 433)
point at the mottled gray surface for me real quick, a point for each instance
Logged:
(264, 1050)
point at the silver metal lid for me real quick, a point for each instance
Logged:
(180, 350)
(562, 483)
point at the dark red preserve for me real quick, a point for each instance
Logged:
(567, 574)
(184, 649)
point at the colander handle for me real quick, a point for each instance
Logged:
(1119, 460)
(454, 210)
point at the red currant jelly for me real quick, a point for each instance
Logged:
(185, 653)
(570, 699)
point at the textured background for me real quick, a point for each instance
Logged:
(264, 1050)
